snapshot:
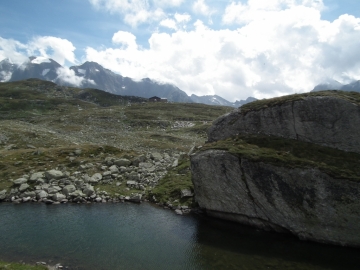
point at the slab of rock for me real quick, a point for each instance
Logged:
(135, 198)
(122, 162)
(58, 197)
(156, 156)
(23, 187)
(186, 193)
(303, 201)
(36, 176)
(20, 181)
(54, 174)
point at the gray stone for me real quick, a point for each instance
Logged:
(53, 174)
(77, 193)
(68, 189)
(53, 189)
(114, 169)
(3, 194)
(36, 176)
(96, 178)
(26, 199)
(23, 187)
(156, 156)
(186, 193)
(131, 183)
(42, 194)
(122, 162)
(135, 198)
(31, 194)
(88, 190)
(178, 212)
(57, 197)
(20, 181)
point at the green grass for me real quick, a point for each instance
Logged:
(293, 154)
(20, 266)
(169, 188)
(175, 111)
(353, 97)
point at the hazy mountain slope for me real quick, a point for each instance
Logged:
(36, 67)
(109, 81)
(6, 70)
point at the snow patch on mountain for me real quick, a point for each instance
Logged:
(81, 71)
(5, 76)
(39, 60)
(45, 71)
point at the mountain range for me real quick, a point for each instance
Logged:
(335, 85)
(93, 75)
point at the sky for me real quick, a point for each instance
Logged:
(234, 49)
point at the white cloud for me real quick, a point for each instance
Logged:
(182, 18)
(168, 3)
(169, 23)
(135, 12)
(282, 47)
(125, 38)
(201, 7)
(68, 76)
(59, 49)
(13, 50)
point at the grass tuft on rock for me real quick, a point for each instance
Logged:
(20, 266)
(257, 105)
(169, 187)
(293, 154)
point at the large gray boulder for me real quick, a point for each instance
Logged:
(271, 191)
(303, 201)
(325, 120)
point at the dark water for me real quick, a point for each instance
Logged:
(129, 236)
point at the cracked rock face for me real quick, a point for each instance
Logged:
(304, 202)
(327, 121)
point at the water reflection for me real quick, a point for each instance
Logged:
(128, 236)
(227, 245)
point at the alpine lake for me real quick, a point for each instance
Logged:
(145, 236)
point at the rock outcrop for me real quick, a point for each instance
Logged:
(270, 193)
(325, 120)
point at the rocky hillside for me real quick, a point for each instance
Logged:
(62, 144)
(287, 164)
